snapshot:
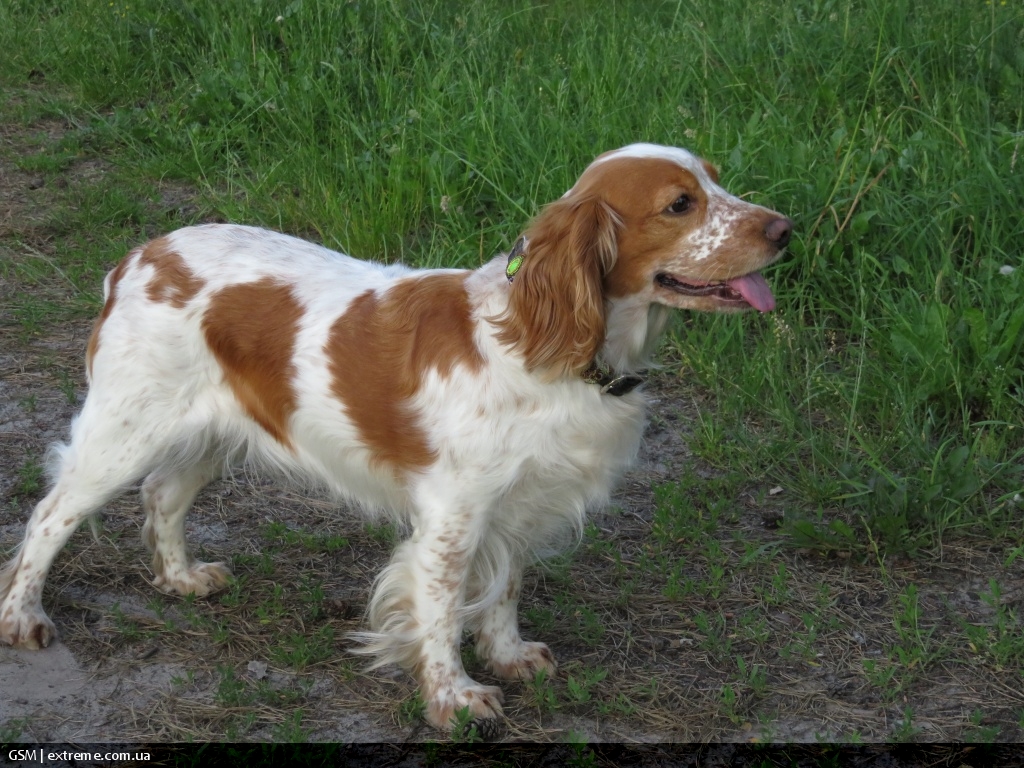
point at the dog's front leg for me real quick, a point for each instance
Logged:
(417, 615)
(498, 642)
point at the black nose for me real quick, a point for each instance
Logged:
(778, 231)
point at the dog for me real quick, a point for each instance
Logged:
(488, 409)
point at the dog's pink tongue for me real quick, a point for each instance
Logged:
(754, 288)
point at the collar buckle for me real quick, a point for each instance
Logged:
(611, 383)
(622, 385)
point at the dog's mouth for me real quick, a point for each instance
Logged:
(751, 290)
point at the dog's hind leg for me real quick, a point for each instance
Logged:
(108, 451)
(167, 495)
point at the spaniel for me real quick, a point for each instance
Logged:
(487, 408)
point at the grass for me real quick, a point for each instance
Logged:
(884, 395)
(11, 730)
(1000, 639)
(30, 478)
(882, 402)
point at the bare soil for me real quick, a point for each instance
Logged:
(817, 653)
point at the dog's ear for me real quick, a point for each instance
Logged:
(711, 170)
(556, 312)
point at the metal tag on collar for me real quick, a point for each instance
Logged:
(515, 257)
(622, 385)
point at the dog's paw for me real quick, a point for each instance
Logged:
(31, 629)
(201, 579)
(481, 703)
(523, 663)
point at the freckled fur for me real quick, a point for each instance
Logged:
(449, 399)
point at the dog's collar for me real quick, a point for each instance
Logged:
(610, 382)
(516, 257)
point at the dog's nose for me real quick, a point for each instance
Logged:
(778, 231)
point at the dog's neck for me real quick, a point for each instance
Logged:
(632, 332)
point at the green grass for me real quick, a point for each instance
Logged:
(540, 694)
(30, 478)
(1001, 640)
(884, 395)
(11, 730)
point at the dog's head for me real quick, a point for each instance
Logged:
(644, 225)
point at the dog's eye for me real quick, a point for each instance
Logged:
(681, 205)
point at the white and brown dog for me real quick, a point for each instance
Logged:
(487, 408)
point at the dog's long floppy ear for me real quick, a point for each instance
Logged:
(556, 315)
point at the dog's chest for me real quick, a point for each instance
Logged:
(579, 445)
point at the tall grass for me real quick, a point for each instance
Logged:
(885, 394)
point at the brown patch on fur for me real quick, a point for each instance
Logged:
(380, 350)
(512, 590)
(556, 316)
(711, 170)
(113, 278)
(640, 189)
(251, 329)
(172, 281)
